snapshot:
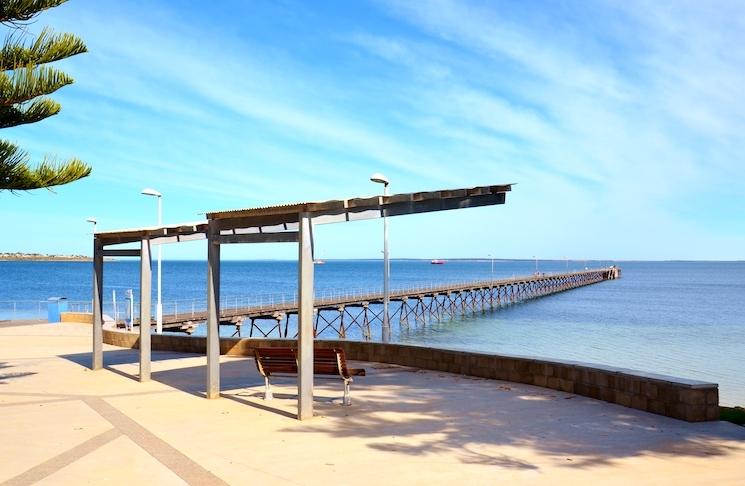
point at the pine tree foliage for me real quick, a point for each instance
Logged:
(17, 175)
(17, 11)
(25, 80)
(47, 47)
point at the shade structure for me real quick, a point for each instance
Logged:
(284, 223)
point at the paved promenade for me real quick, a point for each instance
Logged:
(64, 424)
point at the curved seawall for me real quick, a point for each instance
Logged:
(689, 400)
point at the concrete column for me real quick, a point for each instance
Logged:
(97, 358)
(146, 281)
(305, 318)
(213, 311)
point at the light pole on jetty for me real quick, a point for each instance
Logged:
(94, 222)
(159, 306)
(386, 327)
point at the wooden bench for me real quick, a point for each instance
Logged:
(283, 361)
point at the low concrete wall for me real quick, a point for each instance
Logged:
(82, 317)
(689, 400)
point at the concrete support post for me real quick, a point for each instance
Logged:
(213, 311)
(97, 357)
(146, 282)
(305, 318)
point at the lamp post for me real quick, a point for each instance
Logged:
(386, 334)
(492, 264)
(159, 305)
(94, 222)
(536, 264)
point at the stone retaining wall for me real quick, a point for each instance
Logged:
(81, 317)
(689, 400)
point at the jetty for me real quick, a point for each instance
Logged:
(335, 316)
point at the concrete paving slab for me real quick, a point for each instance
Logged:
(405, 426)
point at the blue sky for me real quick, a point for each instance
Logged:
(622, 124)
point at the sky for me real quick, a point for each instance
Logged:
(621, 123)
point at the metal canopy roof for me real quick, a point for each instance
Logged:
(285, 217)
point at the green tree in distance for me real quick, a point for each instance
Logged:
(25, 79)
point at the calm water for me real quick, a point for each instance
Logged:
(679, 318)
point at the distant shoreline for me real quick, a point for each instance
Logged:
(38, 257)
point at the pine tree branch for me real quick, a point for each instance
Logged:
(28, 83)
(36, 110)
(17, 175)
(47, 47)
(16, 11)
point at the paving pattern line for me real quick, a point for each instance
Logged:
(169, 456)
(47, 468)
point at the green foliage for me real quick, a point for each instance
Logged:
(736, 415)
(16, 11)
(16, 175)
(47, 47)
(25, 79)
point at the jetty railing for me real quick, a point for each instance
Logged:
(337, 313)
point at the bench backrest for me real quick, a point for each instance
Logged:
(284, 360)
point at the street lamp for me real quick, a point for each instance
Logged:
(94, 222)
(492, 264)
(381, 179)
(159, 306)
(536, 264)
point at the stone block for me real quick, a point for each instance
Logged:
(676, 410)
(522, 366)
(712, 396)
(639, 402)
(712, 412)
(649, 390)
(598, 378)
(623, 398)
(608, 394)
(537, 368)
(692, 396)
(553, 382)
(540, 380)
(696, 413)
(610, 381)
(656, 406)
(582, 389)
(566, 386)
(669, 393)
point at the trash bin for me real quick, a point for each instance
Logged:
(55, 306)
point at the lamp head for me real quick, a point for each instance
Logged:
(151, 192)
(92, 220)
(379, 178)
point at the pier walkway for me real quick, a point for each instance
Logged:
(338, 315)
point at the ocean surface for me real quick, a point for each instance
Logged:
(680, 318)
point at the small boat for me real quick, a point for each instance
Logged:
(437, 262)
(319, 262)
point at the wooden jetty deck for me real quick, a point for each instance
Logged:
(337, 315)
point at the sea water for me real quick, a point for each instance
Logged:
(680, 318)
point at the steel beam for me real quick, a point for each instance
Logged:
(121, 253)
(146, 279)
(284, 237)
(305, 318)
(97, 357)
(213, 311)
